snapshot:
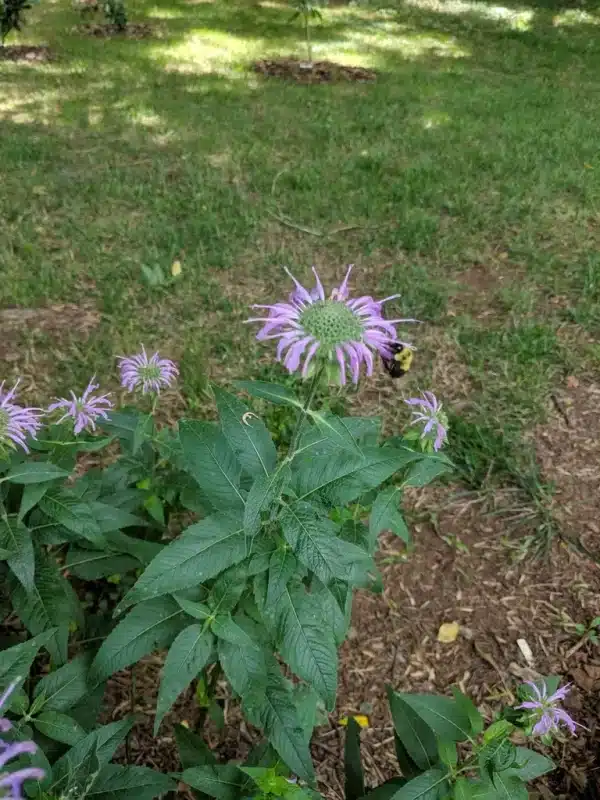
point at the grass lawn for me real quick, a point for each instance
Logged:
(466, 177)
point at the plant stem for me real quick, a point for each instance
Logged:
(307, 35)
(304, 413)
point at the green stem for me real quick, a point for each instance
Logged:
(305, 409)
(307, 35)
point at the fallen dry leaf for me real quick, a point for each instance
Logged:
(448, 632)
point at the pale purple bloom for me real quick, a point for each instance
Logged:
(432, 415)
(11, 783)
(335, 328)
(84, 410)
(16, 422)
(549, 716)
(150, 373)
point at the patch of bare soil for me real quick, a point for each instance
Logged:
(26, 52)
(54, 321)
(463, 570)
(317, 72)
(105, 30)
(568, 448)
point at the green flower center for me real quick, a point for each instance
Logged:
(331, 323)
(150, 372)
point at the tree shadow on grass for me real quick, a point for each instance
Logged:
(128, 153)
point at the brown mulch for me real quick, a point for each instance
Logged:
(26, 52)
(568, 448)
(105, 30)
(55, 321)
(463, 569)
(320, 71)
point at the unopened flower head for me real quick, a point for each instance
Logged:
(431, 417)
(334, 328)
(11, 783)
(149, 374)
(84, 410)
(545, 711)
(16, 423)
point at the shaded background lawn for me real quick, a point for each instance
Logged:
(466, 177)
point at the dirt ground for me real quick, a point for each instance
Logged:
(462, 569)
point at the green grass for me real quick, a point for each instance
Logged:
(476, 148)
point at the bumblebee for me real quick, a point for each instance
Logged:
(401, 361)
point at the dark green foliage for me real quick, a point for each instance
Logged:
(263, 576)
(12, 16)
(115, 13)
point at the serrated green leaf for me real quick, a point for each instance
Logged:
(242, 657)
(431, 785)
(336, 429)
(142, 432)
(464, 789)
(335, 608)
(187, 655)
(15, 537)
(416, 736)
(470, 709)
(386, 516)
(116, 782)
(509, 787)
(342, 477)
(274, 712)
(428, 468)
(264, 493)
(246, 433)
(212, 463)
(354, 783)
(90, 754)
(66, 686)
(223, 781)
(447, 752)
(59, 726)
(442, 714)
(273, 392)
(193, 750)
(111, 518)
(15, 662)
(35, 472)
(530, 765)
(305, 644)
(91, 565)
(148, 627)
(52, 604)
(130, 545)
(227, 589)
(282, 566)
(315, 541)
(192, 607)
(202, 551)
(65, 508)
(32, 494)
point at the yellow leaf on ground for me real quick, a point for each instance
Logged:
(362, 720)
(448, 632)
(176, 268)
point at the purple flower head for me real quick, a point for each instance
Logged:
(545, 711)
(84, 410)
(11, 783)
(436, 422)
(335, 328)
(16, 422)
(152, 374)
